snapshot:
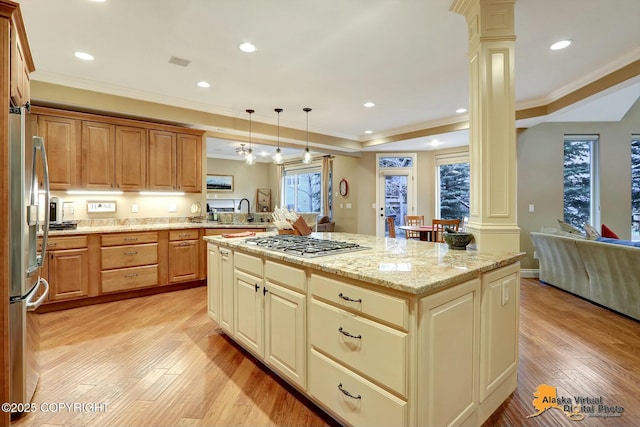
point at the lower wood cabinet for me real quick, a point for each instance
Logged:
(183, 255)
(129, 261)
(67, 270)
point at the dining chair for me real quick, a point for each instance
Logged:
(392, 226)
(439, 225)
(413, 220)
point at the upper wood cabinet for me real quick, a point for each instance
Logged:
(131, 158)
(162, 160)
(21, 65)
(98, 151)
(92, 152)
(189, 169)
(61, 138)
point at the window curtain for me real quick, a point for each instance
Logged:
(327, 172)
(280, 169)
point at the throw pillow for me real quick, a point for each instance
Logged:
(569, 228)
(618, 242)
(607, 232)
(592, 233)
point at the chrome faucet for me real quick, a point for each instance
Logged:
(249, 214)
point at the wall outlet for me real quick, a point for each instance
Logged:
(173, 208)
(532, 208)
(101, 206)
(535, 255)
(348, 205)
(134, 208)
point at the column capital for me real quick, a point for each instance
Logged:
(489, 20)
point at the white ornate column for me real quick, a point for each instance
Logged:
(492, 123)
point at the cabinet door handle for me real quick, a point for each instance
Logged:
(185, 244)
(346, 393)
(264, 290)
(345, 333)
(346, 298)
(130, 239)
(257, 286)
(131, 252)
(129, 276)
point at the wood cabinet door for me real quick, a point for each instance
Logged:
(248, 312)
(19, 72)
(68, 274)
(131, 158)
(285, 332)
(98, 152)
(213, 282)
(183, 260)
(189, 170)
(162, 160)
(226, 291)
(61, 137)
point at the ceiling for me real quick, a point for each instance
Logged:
(409, 57)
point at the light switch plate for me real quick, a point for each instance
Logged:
(101, 206)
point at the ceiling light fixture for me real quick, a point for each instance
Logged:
(369, 104)
(560, 45)
(461, 110)
(306, 157)
(278, 158)
(84, 56)
(241, 151)
(247, 47)
(250, 158)
(204, 84)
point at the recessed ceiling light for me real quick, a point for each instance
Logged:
(203, 84)
(264, 153)
(435, 143)
(560, 45)
(461, 110)
(247, 47)
(369, 104)
(84, 56)
(368, 131)
(98, 1)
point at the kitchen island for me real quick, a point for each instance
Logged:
(396, 332)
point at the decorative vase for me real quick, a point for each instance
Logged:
(457, 239)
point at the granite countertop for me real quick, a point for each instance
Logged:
(156, 226)
(408, 266)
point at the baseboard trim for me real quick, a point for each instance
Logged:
(530, 273)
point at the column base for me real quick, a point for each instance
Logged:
(495, 237)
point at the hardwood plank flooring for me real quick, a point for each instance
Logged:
(160, 361)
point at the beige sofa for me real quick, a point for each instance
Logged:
(605, 273)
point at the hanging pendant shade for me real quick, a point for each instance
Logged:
(250, 158)
(306, 156)
(278, 158)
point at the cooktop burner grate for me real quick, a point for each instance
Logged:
(307, 247)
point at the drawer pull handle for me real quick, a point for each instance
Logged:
(129, 276)
(346, 393)
(343, 332)
(52, 244)
(346, 298)
(184, 235)
(185, 244)
(130, 239)
(131, 252)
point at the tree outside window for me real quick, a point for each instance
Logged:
(579, 180)
(454, 191)
(303, 191)
(635, 187)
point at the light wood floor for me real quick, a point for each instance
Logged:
(159, 361)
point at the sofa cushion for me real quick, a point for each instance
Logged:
(592, 233)
(564, 226)
(618, 241)
(607, 232)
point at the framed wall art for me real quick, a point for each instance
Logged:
(220, 183)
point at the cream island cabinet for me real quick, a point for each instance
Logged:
(404, 333)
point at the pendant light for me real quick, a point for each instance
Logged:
(278, 158)
(306, 157)
(250, 158)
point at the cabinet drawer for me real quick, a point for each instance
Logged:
(70, 242)
(387, 308)
(129, 256)
(374, 350)
(184, 234)
(129, 238)
(247, 263)
(329, 382)
(287, 276)
(129, 278)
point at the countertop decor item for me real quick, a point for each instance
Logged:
(457, 239)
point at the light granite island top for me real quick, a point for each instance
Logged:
(410, 266)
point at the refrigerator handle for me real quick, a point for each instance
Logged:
(38, 144)
(33, 305)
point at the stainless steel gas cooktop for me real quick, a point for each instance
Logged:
(307, 247)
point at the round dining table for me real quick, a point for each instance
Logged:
(425, 231)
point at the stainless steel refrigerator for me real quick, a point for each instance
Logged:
(27, 289)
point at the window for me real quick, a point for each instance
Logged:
(395, 162)
(452, 190)
(395, 189)
(302, 189)
(580, 166)
(635, 187)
